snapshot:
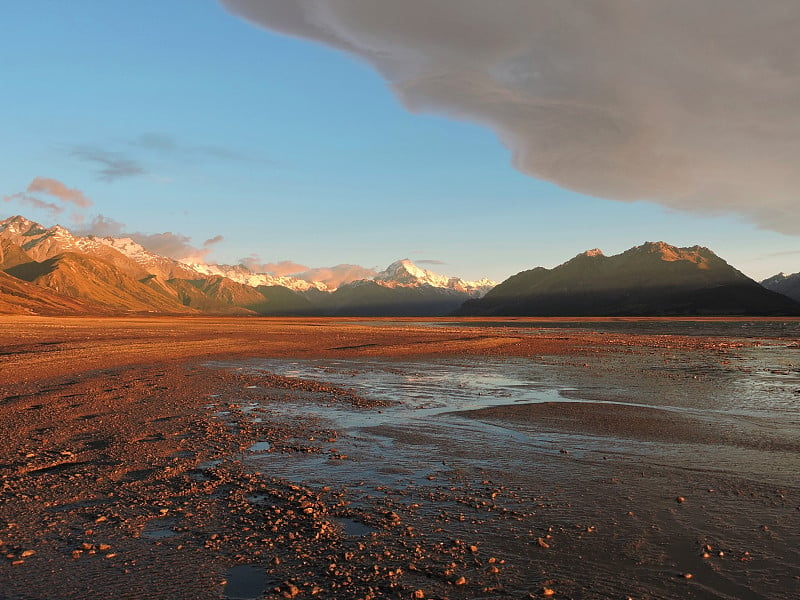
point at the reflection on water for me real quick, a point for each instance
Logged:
(752, 393)
(246, 582)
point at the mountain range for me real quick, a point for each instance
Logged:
(53, 271)
(108, 274)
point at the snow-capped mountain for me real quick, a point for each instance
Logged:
(154, 264)
(42, 243)
(788, 285)
(406, 274)
(242, 274)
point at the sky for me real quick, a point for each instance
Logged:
(476, 138)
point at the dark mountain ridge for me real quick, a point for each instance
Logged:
(788, 285)
(654, 279)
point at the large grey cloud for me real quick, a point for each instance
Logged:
(694, 104)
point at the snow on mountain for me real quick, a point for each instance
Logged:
(155, 264)
(788, 285)
(406, 274)
(241, 274)
(42, 243)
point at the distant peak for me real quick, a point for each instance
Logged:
(594, 252)
(20, 225)
(16, 219)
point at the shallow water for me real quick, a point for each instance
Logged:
(752, 393)
(608, 496)
(776, 329)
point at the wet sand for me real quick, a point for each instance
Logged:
(127, 470)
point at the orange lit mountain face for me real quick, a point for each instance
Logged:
(96, 281)
(23, 298)
(52, 271)
(651, 279)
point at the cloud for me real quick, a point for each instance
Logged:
(284, 267)
(101, 226)
(54, 189)
(333, 277)
(172, 245)
(689, 104)
(29, 200)
(429, 261)
(337, 275)
(214, 240)
(166, 144)
(111, 165)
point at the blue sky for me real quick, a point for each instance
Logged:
(180, 117)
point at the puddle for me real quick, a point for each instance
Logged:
(260, 447)
(353, 528)
(246, 582)
(159, 529)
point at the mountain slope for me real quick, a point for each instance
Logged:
(652, 279)
(12, 255)
(42, 243)
(21, 297)
(96, 281)
(371, 299)
(221, 295)
(788, 285)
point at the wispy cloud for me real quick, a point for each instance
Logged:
(689, 104)
(429, 261)
(30, 200)
(166, 144)
(124, 159)
(52, 188)
(773, 255)
(110, 166)
(55, 188)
